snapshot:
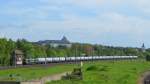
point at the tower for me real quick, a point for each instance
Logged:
(64, 39)
(143, 48)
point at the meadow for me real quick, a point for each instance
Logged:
(99, 72)
(24, 74)
(120, 72)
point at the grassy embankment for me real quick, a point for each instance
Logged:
(123, 72)
(24, 74)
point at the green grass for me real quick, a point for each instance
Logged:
(105, 72)
(33, 73)
(122, 72)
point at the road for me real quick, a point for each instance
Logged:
(43, 80)
(144, 78)
(147, 80)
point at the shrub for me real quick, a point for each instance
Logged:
(75, 75)
(92, 68)
(104, 68)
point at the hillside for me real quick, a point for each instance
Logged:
(32, 50)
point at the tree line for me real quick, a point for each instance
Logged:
(32, 50)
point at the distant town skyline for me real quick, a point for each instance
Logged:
(108, 22)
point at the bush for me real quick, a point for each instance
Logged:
(75, 75)
(104, 68)
(147, 57)
(92, 68)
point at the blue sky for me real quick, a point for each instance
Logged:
(108, 22)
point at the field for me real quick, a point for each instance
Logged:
(104, 72)
(23, 74)
(121, 72)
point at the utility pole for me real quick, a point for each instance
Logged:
(45, 60)
(76, 54)
(15, 61)
(92, 54)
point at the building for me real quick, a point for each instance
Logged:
(64, 42)
(17, 57)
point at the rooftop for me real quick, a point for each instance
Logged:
(64, 40)
(18, 52)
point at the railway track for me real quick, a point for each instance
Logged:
(52, 64)
(36, 65)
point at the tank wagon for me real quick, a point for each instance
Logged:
(73, 59)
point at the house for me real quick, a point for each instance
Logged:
(17, 57)
(56, 43)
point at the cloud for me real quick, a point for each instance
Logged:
(99, 27)
(143, 5)
(97, 21)
(88, 3)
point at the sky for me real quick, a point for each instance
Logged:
(108, 22)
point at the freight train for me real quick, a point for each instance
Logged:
(74, 59)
